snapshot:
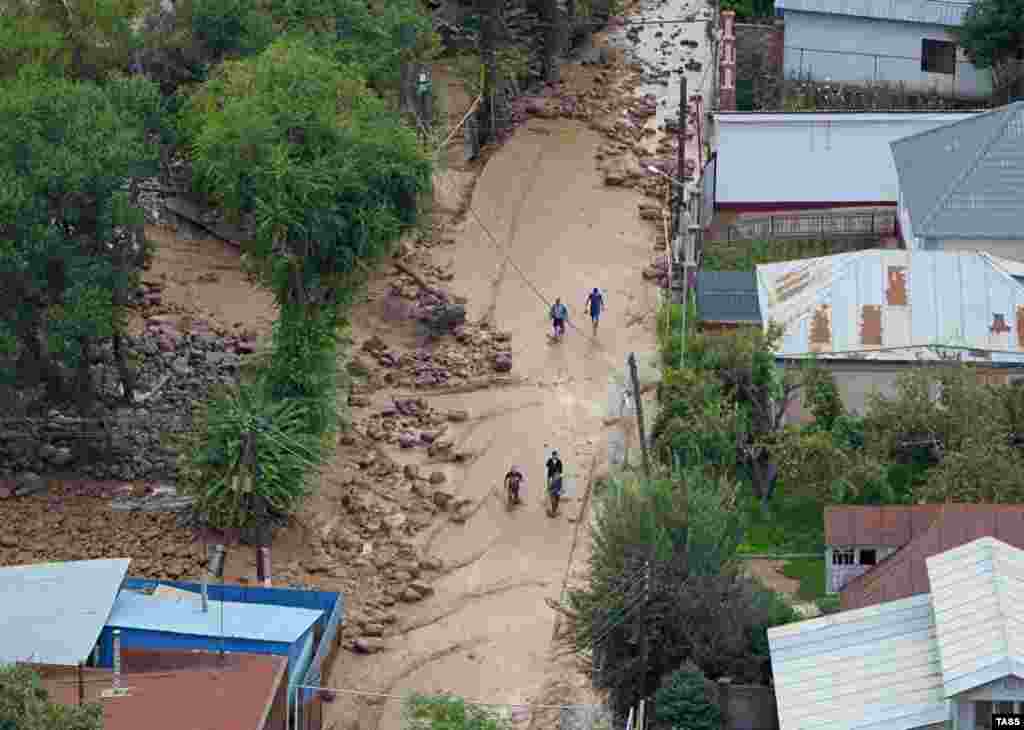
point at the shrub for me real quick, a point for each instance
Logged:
(446, 712)
(682, 703)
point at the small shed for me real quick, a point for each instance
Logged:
(53, 613)
(727, 300)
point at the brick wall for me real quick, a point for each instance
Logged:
(759, 52)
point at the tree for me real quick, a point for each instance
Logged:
(71, 240)
(26, 705)
(992, 33)
(682, 703)
(230, 27)
(83, 39)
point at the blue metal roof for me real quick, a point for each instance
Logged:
(931, 12)
(252, 621)
(53, 613)
(966, 179)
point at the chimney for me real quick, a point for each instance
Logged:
(117, 660)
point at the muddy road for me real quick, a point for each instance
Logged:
(541, 225)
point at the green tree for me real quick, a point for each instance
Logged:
(682, 702)
(447, 712)
(83, 39)
(992, 33)
(821, 396)
(71, 240)
(230, 27)
(26, 705)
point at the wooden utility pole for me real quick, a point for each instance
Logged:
(639, 413)
(488, 10)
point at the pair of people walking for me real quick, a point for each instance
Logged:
(514, 481)
(560, 313)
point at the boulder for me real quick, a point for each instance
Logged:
(368, 645)
(407, 440)
(437, 477)
(502, 362)
(411, 471)
(458, 416)
(442, 498)
(30, 483)
(410, 596)
(424, 589)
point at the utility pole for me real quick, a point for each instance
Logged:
(488, 40)
(639, 413)
(684, 113)
(645, 644)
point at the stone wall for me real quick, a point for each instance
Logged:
(759, 54)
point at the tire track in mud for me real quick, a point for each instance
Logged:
(466, 599)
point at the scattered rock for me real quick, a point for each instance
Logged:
(424, 589)
(30, 484)
(502, 362)
(437, 477)
(411, 471)
(442, 498)
(458, 416)
(411, 596)
(407, 440)
(368, 645)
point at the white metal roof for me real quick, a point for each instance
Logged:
(53, 613)
(252, 621)
(875, 667)
(814, 157)
(931, 12)
(977, 590)
(895, 305)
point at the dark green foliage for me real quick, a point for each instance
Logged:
(750, 9)
(682, 703)
(71, 243)
(745, 255)
(26, 705)
(993, 32)
(821, 397)
(446, 712)
(230, 27)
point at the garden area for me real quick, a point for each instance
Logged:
(745, 255)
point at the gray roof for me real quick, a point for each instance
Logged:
(966, 179)
(53, 613)
(932, 12)
(728, 296)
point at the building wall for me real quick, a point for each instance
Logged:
(885, 51)
(837, 576)
(1006, 249)
(161, 640)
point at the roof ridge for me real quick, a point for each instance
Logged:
(1008, 113)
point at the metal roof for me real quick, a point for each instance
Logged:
(904, 573)
(884, 304)
(53, 613)
(876, 668)
(793, 157)
(932, 12)
(253, 621)
(966, 179)
(885, 526)
(976, 595)
(728, 296)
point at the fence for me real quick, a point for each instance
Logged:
(813, 225)
(856, 66)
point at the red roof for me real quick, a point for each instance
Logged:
(904, 573)
(176, 690)
(888, 526)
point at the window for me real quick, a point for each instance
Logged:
(842, 556)
(868, 557)
(938, 57)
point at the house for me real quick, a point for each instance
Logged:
(727, 300)
(961, 185)
(769, 164)
(54, 613)
(898, 41)
(164, 690)
(857, 538)
(950, 657)
(868, 316)
(904, 573)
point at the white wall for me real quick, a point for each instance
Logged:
(896, 45)
(1005, 249)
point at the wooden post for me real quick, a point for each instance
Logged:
(639, 414)
(81, 685)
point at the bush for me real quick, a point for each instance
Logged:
(682, 702)
(230, 27)
(446, 712)
(26, 705)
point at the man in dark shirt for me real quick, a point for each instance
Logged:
(513, 480)
(554, 466)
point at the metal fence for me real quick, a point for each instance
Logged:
(813, 225)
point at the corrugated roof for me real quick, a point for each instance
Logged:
(873, 668)
(976, 594)
(728, 296)
(932, 12)
(879, 304)
(793, 157)
(53, 613)
(884, 526)
(904, 573)
(253, 621)
(966, 179)
(176, 690)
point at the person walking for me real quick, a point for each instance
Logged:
(513, 482)
(595, 305)
(554, 469)
(559, 314)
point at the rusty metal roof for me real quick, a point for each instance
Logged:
(175, 690)
(904, 573)
(886, 526)
(895, 305)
